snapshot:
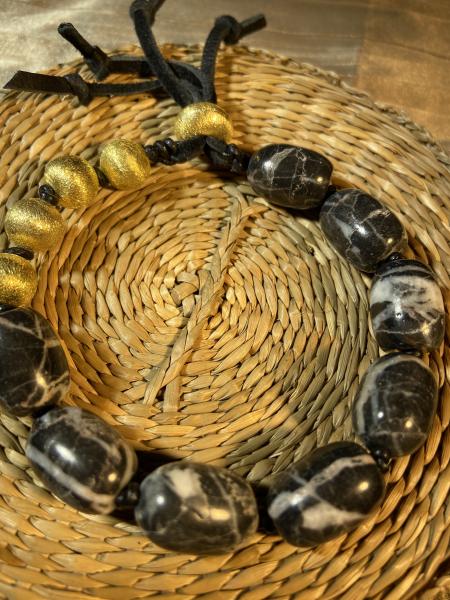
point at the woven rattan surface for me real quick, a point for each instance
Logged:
(203, 323)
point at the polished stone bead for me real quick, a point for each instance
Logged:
(80, 458)
(326, 493)
(290, 176)
(360, 228)
(196, 508)
(406, 307)
(33, 367)
(394, 407)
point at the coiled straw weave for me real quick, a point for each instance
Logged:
(203, 323)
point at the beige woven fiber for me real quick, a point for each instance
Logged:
(203, 323)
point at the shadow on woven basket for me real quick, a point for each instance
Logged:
(203, 323)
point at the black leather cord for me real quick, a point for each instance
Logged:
(222, 155)
(75, 85)
(142, 12)
(169, 152)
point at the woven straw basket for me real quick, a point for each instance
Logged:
(203, 323)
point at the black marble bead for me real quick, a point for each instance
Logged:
(325, 494)
(360, 228)
(80, 458)
(394, 407)
(33, 367)
(290, 176)
(196, 508)
(406, 307)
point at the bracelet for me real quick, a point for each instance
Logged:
(191, 507)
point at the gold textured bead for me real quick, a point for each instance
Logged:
(34, 224)
(125, 164)
(73, 179)
(203, 118)
(18, 280)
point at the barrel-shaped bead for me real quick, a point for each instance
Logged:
(124, 163)
(34, 224)
(406, 307)
(325, 494)
(360, 228)
(73, 180)
(196, 508)
(33, 367)
(394, 407)
(290, 176)
(80, 458)
(18, 280)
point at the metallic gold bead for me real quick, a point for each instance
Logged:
(34, 224)
(125, 164)
(73, 179)
(203, 118)
(18, 280)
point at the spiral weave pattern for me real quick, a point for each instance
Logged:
(203, 323)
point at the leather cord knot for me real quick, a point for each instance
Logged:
(234, 28)
(79, 87)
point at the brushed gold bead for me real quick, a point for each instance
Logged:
(34, 224)
(125, 164)
(73, 179)
(18, 280)
(203, 118)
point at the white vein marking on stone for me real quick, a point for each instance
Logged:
(296, 179)
(186, 482)
(346, 229)
(422, 297)
(424, 291)
(87, 425)
(58, 387)
(324, 513)
(422, 328)
(6, 323)
(102, 503)
(275, 160)
(33, 331)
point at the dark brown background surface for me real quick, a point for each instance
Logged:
(397, 50)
